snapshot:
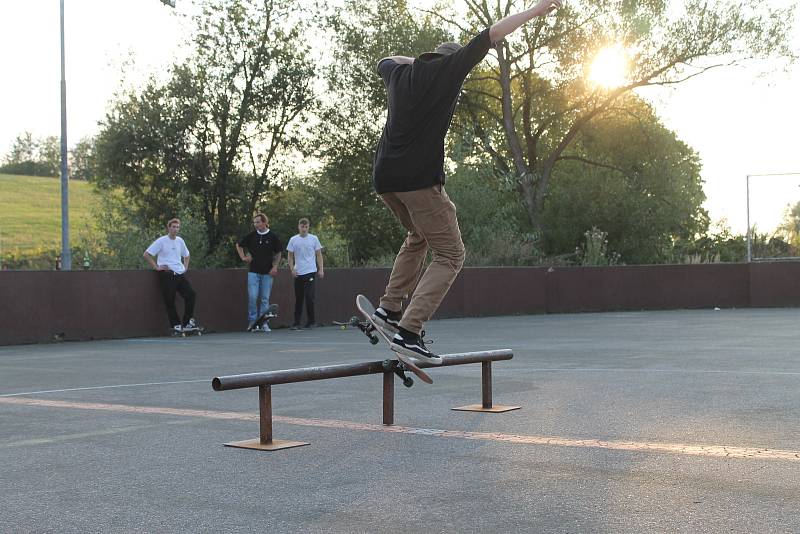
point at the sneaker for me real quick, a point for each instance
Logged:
(178, 328)
(191, 325)
(388, 320)
(295, 326)
(265, 328)
(256, 328)
(413, 345)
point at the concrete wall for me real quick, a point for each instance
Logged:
(36, 306)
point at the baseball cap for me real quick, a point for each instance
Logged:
(444, 49)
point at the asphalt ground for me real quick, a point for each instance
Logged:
(672, 421)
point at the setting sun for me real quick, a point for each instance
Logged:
(610, 67)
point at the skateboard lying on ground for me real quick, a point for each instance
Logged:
(186, 332)
(364, 326)
(271, 312)
(402, 363)
(353, 322)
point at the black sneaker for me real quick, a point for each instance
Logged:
(413, 345)
(388, 320)
(296, 326)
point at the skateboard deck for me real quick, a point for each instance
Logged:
(367, 309)
(271, 311)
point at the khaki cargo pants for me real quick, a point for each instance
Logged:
(430, 218)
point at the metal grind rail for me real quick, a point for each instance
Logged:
(264, 382)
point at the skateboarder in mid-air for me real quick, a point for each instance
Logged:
(408, 174)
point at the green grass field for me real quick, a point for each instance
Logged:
(30, 212)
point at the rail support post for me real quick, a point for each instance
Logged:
(265, 441)
(486, 395)
(388, 398)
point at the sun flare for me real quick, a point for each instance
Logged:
(610, 67)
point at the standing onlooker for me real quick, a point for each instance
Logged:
(172, 263)
(264, 249)
(305, 261)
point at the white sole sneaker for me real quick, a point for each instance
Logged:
(411, 353)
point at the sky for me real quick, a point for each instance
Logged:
(740, 121)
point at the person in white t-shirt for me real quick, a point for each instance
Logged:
(305, 261)
(169, 256)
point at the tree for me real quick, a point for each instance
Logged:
(531, 106)
(643, 188)
(23, 148)
(49, 155)
(790, 228)
(32, 156)
(81, 160)
(209, 139)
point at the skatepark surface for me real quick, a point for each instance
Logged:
(657, 421)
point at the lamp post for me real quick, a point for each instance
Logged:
(66, 254)
(749, 242)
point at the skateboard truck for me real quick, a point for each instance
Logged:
(365, 327)
(400, 370)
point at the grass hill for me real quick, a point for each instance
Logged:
(30, 212)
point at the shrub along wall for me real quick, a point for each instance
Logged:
(40, 306)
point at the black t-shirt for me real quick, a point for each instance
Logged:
(262, 247)
(421, 100)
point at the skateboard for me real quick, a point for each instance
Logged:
(402, 363)
(364, 326)
(353, 322)
(272, 311)
(186, 332)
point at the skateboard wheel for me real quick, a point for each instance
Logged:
(373, 339)
(408, 381)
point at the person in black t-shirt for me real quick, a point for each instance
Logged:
(263, 252)
(408, 174)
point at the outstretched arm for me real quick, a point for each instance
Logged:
(508, 25)
(402, 60)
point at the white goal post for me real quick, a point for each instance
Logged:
(749, 226)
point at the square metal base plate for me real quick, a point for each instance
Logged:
(274, 445)
(497, 408)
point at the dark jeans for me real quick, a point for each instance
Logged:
(172, 283)
(304, 292)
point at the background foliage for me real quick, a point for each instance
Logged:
(544, 167)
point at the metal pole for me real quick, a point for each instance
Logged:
(288, 376)
(486, 384)
(66, 255)
(749, 245)
(265, 414)
(388, 398)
